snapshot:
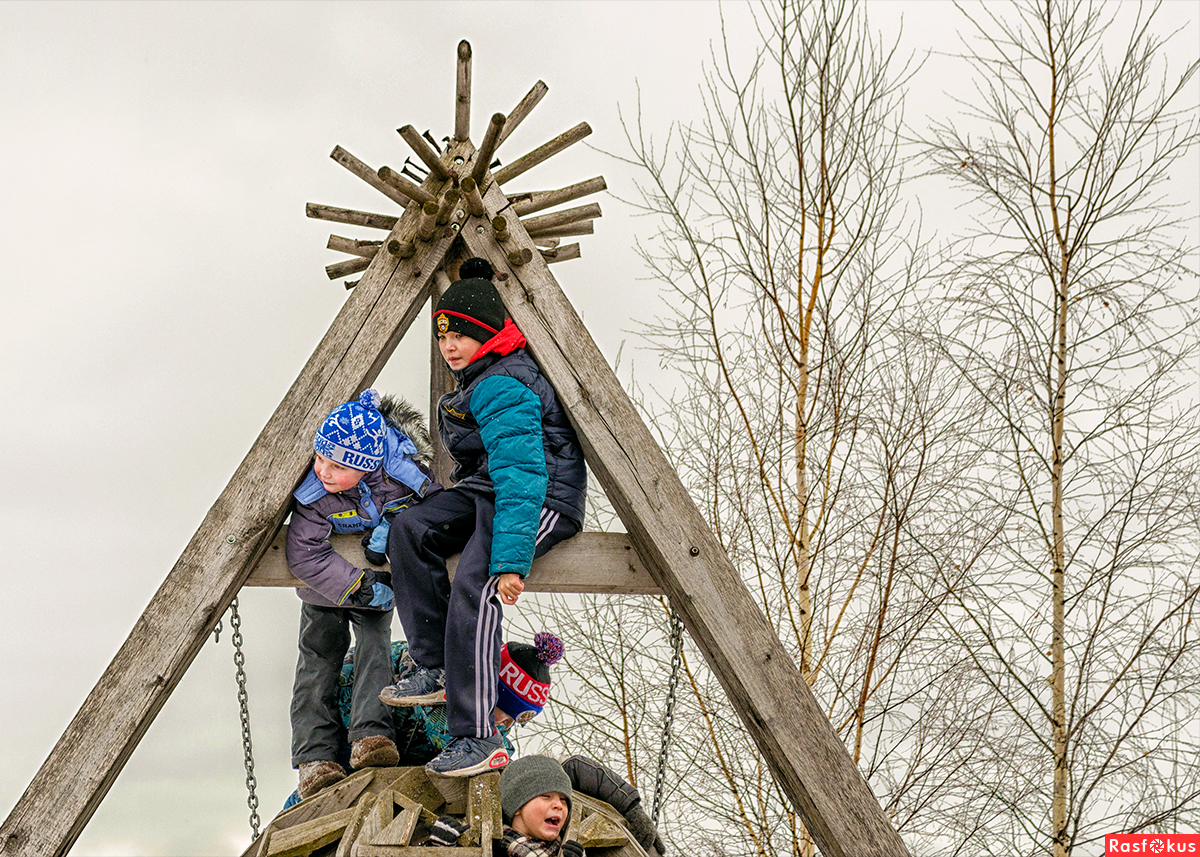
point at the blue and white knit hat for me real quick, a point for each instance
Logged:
(353, 434)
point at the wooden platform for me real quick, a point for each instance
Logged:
(389, 812)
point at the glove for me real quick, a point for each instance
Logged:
(374, 590)
(643, 829)
(571, 848)
(447, 829)
(375, 543)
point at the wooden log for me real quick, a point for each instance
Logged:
(446, 207)
(304, 839)
(805, 755)
(470, 189)
(561, 254)
(487, 149)
(603, 563)
(566, 217)
(347, 267)
(541, 153)
(582, 227)
(524, 107)
(546, 243)
(462, 97)
(412, 191)
(353, 246)
(538, 200)
(370, 176)
(424, 151)
(349, 215)
(500, 228)
(402, 249)
(235, 532)
(520, 256)
(427, 222)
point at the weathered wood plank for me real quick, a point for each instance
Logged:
(233, 535)
(308, 837)
(599, 831)
(353, 827)
(688, 562)
(587, 562)
(483, 808)
(400, 830)
(416, 785)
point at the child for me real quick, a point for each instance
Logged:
(420, 731)
(366, 466)
(520, 487)
(535, 801)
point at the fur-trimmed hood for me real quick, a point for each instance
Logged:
(408, 420)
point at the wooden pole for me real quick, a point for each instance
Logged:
(524, 107)
(234, 534)
(483, 156)
(403, 249)
(414, 192)
(427, 222)
(347, 267)
(470, 189)
(348, 215)
(500, 228)
(528, 203)
(369, 175)
(685, 558)
(446, 207)
(541, 153)
(583, 227)
(462, 99)
(441, 382)
(560, 254)
(353, 246)
(424, 151)
(566, 217)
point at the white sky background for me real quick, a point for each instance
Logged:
(162, 289)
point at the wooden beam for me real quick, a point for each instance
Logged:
(424, 151)
(582, 227)
(685, 558)
(414, 192)
(353, 246)
(350, 216)
(539, 200)
(370, 176)
(603, 563)
(541, 153)
(524, 107)
(483, 157)
(543, 223)
(561, 254)
(237, 530)
(462, 94)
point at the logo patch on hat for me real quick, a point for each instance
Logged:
(443, 323)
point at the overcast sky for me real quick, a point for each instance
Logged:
(163, 288)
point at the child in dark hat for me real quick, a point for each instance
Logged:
(520, 483)
(371, 459)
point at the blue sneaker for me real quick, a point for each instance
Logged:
(421, 687)
(466, 757)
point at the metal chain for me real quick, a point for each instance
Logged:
(669, 711)
(239, 659)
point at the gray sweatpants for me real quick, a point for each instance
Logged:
(317, 727)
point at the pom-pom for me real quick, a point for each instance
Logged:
(369, 399)
(550, 648)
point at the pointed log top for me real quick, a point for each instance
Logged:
(464, 50)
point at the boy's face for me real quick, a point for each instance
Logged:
(543, 817)
(336, 477)
(457, 349)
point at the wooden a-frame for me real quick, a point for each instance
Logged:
(459, 209)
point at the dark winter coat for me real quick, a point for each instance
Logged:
(508, 434)
(403, 478)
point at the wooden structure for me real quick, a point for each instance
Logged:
(454, 206)
(388, 812)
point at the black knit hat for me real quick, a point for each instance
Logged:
(471, 307)
(476, 267)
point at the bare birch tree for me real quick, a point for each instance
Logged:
(815, 429)
(1072, 313)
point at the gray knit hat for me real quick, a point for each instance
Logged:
(525, 778)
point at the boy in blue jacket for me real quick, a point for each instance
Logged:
(366, 468)
(520, 484)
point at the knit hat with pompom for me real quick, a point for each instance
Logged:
(525, 675)
(353, 434)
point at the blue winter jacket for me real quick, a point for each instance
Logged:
(508, 434)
